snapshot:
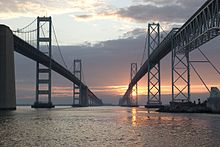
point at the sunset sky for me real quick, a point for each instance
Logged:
(108, 35)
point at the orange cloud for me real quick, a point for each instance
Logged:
(120, 90)
(62, 91)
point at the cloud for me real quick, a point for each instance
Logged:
(110, 90)
(165, 11)
(135, 33)
(84, 16)
(142, 11)
(12, 9)
(94, 16)
(155, 2)
(161, 3)
(171, 13)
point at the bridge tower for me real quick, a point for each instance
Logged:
(43, 73)
(133, 98)
(154, 82)
(77, 71)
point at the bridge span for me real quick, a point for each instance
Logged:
(199, 29)
(10, 43)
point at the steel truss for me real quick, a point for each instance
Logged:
(154, 82)
(203, 26)
(77, 71)
(180, 77)
(43, 73)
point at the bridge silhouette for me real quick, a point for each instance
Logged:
(202, 27)
(11, 42)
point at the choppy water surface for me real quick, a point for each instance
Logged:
(107, 126)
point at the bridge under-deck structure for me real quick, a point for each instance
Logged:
(10, 43)
(199, 29)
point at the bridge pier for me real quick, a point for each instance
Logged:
(84, 96)
(7, 71)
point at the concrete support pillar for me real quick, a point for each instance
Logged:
(7, 70)
(84, 96)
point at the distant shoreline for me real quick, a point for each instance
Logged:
(63, 105)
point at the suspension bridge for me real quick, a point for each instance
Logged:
(36, 44)
(202, 27)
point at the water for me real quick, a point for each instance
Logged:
(107, 126)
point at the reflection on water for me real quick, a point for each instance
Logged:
(133, 110)
(107, 126)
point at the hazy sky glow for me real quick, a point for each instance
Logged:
(107, 35)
